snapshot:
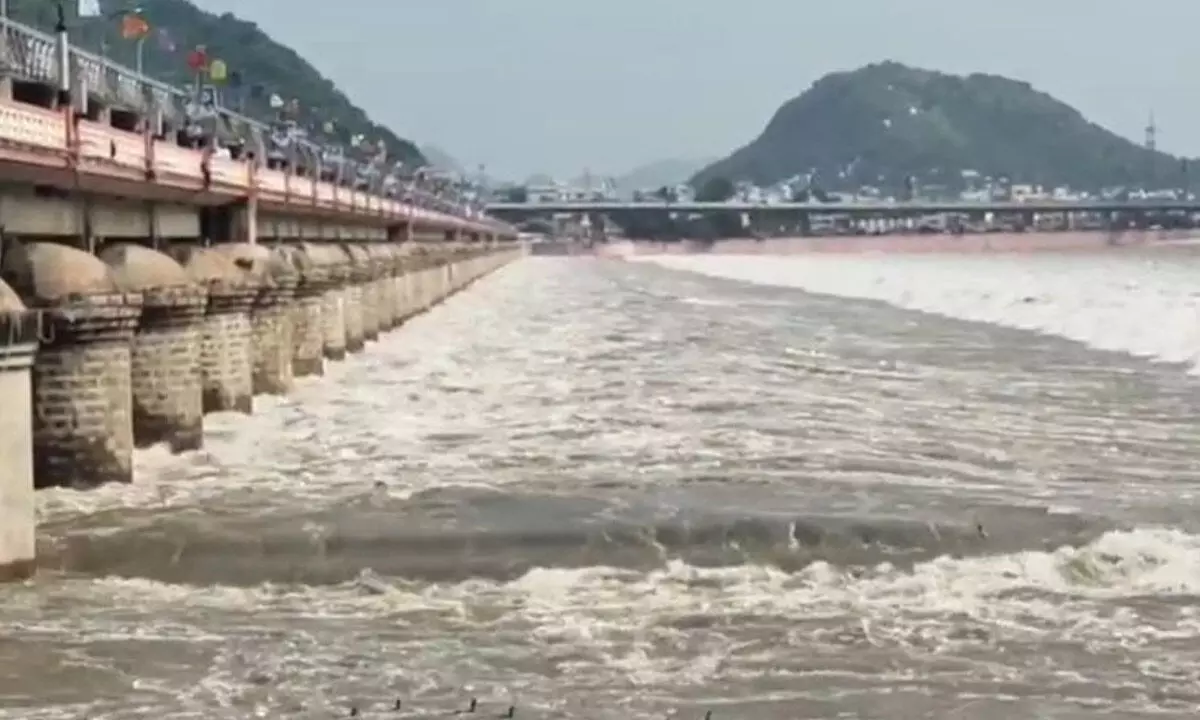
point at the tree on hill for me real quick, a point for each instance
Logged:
(722, 224)
(882, 123)
(516, 194)
(177, 27)
(716, 189)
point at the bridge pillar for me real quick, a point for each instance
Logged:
(270, 314)
(164, 360)
(18, 511)
(226, 345)
(359, 264)
(385, 260)
(372, 269)
(402, 288)
(244, 221)
(272, 319)
(333, 302)
(401, 233)
(804, 224)
(82, 401)
(308, 334)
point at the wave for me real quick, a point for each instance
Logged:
(455, 542)
(675, 629)
(1103, 300)
(1118, 564)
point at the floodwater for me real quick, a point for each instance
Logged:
(602, 489)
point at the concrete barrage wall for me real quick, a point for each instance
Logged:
(100, 354)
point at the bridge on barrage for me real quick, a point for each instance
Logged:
(92, 152)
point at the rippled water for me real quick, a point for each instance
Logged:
(598, 489)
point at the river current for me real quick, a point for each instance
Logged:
(599, 489)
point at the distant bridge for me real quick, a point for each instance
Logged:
(522, 211)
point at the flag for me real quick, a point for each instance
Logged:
(197, 59)
(89, 8)
(134, 27)
(218, 71)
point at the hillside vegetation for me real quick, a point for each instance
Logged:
(246, 50)
(883, 122)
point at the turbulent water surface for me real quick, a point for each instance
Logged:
(597, 489)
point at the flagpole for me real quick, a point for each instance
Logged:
(141, 47)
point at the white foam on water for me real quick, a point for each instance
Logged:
(1145, 305)
(379, 406)
(626, 624)
(617, 626)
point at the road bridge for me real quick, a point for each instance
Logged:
(863, 209)
(738, 219)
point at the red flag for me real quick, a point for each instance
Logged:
(198, 58)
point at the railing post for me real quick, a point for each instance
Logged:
(7, 58)
(63, 53)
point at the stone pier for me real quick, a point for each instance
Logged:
(419, 275)
(372, 298)
(402, 286)
(82, 400)
(226, 368)
(333, 301)
(357, 307)
(308, 325)
(18, 343)
(272, 322)
(165, 354)
(385, 284)
(131, 347)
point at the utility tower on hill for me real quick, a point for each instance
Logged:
(1151, 144)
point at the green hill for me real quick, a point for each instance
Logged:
(883, 122)
(244, 48)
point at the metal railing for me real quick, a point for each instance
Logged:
(31, 55)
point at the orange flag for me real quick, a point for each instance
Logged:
(134, 27)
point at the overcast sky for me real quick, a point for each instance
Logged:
(562, 85)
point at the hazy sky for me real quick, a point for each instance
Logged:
(560, 85)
